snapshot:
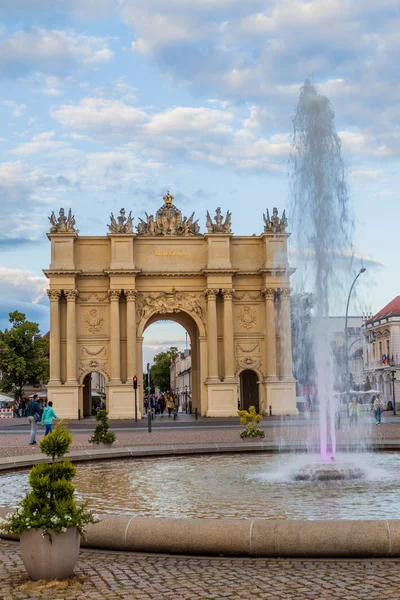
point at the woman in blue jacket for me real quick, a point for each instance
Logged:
(47, 417)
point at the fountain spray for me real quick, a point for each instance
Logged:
(322, 225)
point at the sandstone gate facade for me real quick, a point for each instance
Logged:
(231, 293)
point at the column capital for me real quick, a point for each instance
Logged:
(54, 295)
(269, 293)
(71, 295)
(114, 295)
(211, 293)
(285, 293)
(228, 293)
(130, 295)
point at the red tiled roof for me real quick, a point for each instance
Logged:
(390, 310)
(47, 335)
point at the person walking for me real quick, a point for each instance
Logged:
(47, 417)
(170, 404)
(354, 412)
(377, 408)
(34, 415)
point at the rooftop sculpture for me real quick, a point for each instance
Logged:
(62, 224)
(220, 226)
(274, 224)
(168, 221)
(121, 224)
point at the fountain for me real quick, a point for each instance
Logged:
(323, 225)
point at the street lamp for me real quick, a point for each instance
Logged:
(361, 271)
(393, 391)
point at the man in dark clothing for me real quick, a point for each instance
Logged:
(33, 410)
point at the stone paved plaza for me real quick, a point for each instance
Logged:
(123, 576)
(17, 444)
(115, 576)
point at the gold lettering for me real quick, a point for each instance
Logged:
(170, 252)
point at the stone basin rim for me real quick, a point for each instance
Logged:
(260, 538)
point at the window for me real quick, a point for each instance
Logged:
(380, 351)
(388, 348)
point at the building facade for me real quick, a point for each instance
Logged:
(382, 351)
(181, 379)
(230, 293)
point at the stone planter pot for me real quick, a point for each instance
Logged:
(253, 439)
(50, 560)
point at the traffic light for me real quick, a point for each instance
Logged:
(135, 383)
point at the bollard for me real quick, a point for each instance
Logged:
(149, 417)
(79, 414)
(270, 410)
(195, 414)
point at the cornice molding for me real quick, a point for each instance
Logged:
(67, 272)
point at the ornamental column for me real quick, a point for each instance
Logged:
(212, 334)
(286, 335)
(229, 369)
(131, 366)
(54, 296)
(269, 294)
(71, 296)
(115, 337)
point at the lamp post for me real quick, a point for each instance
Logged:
(393, 391)
(361, 271)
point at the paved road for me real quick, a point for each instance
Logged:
(123, 576)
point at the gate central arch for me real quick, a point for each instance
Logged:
(196, 333)
(231, 293)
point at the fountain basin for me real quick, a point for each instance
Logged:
(329, 472)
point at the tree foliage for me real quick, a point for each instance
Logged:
(159, 371)
(23, 359)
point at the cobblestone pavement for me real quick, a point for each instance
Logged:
(123, 576)
(18, 444)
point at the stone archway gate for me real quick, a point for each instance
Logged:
(234, 289)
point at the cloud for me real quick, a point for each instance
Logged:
(17, 110)
(23, 285)
(261, 52)
(102, 118)
(50, 51)
(24, 291)
(42, 143)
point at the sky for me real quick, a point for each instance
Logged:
(110, 103)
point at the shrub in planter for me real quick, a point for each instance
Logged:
(48, 519)
(101, 434)
(250, 419)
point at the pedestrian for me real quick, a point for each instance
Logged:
(354, 412)
(34, 415)
(47, 418)
(170, 404)
(377, 408)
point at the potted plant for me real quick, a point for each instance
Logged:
(250, 419)
(48, 519)
(102, 437)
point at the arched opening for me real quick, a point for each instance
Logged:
(249, 390)
(93, 393)
(162, 331)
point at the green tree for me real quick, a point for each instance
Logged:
(159, 371)
(23, 359)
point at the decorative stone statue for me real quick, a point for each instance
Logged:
(122, 224)
(219, 226)
(274, 224)
(62, 224)
(168, 221)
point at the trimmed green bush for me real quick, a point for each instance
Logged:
(101, 434)
(50, 504)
